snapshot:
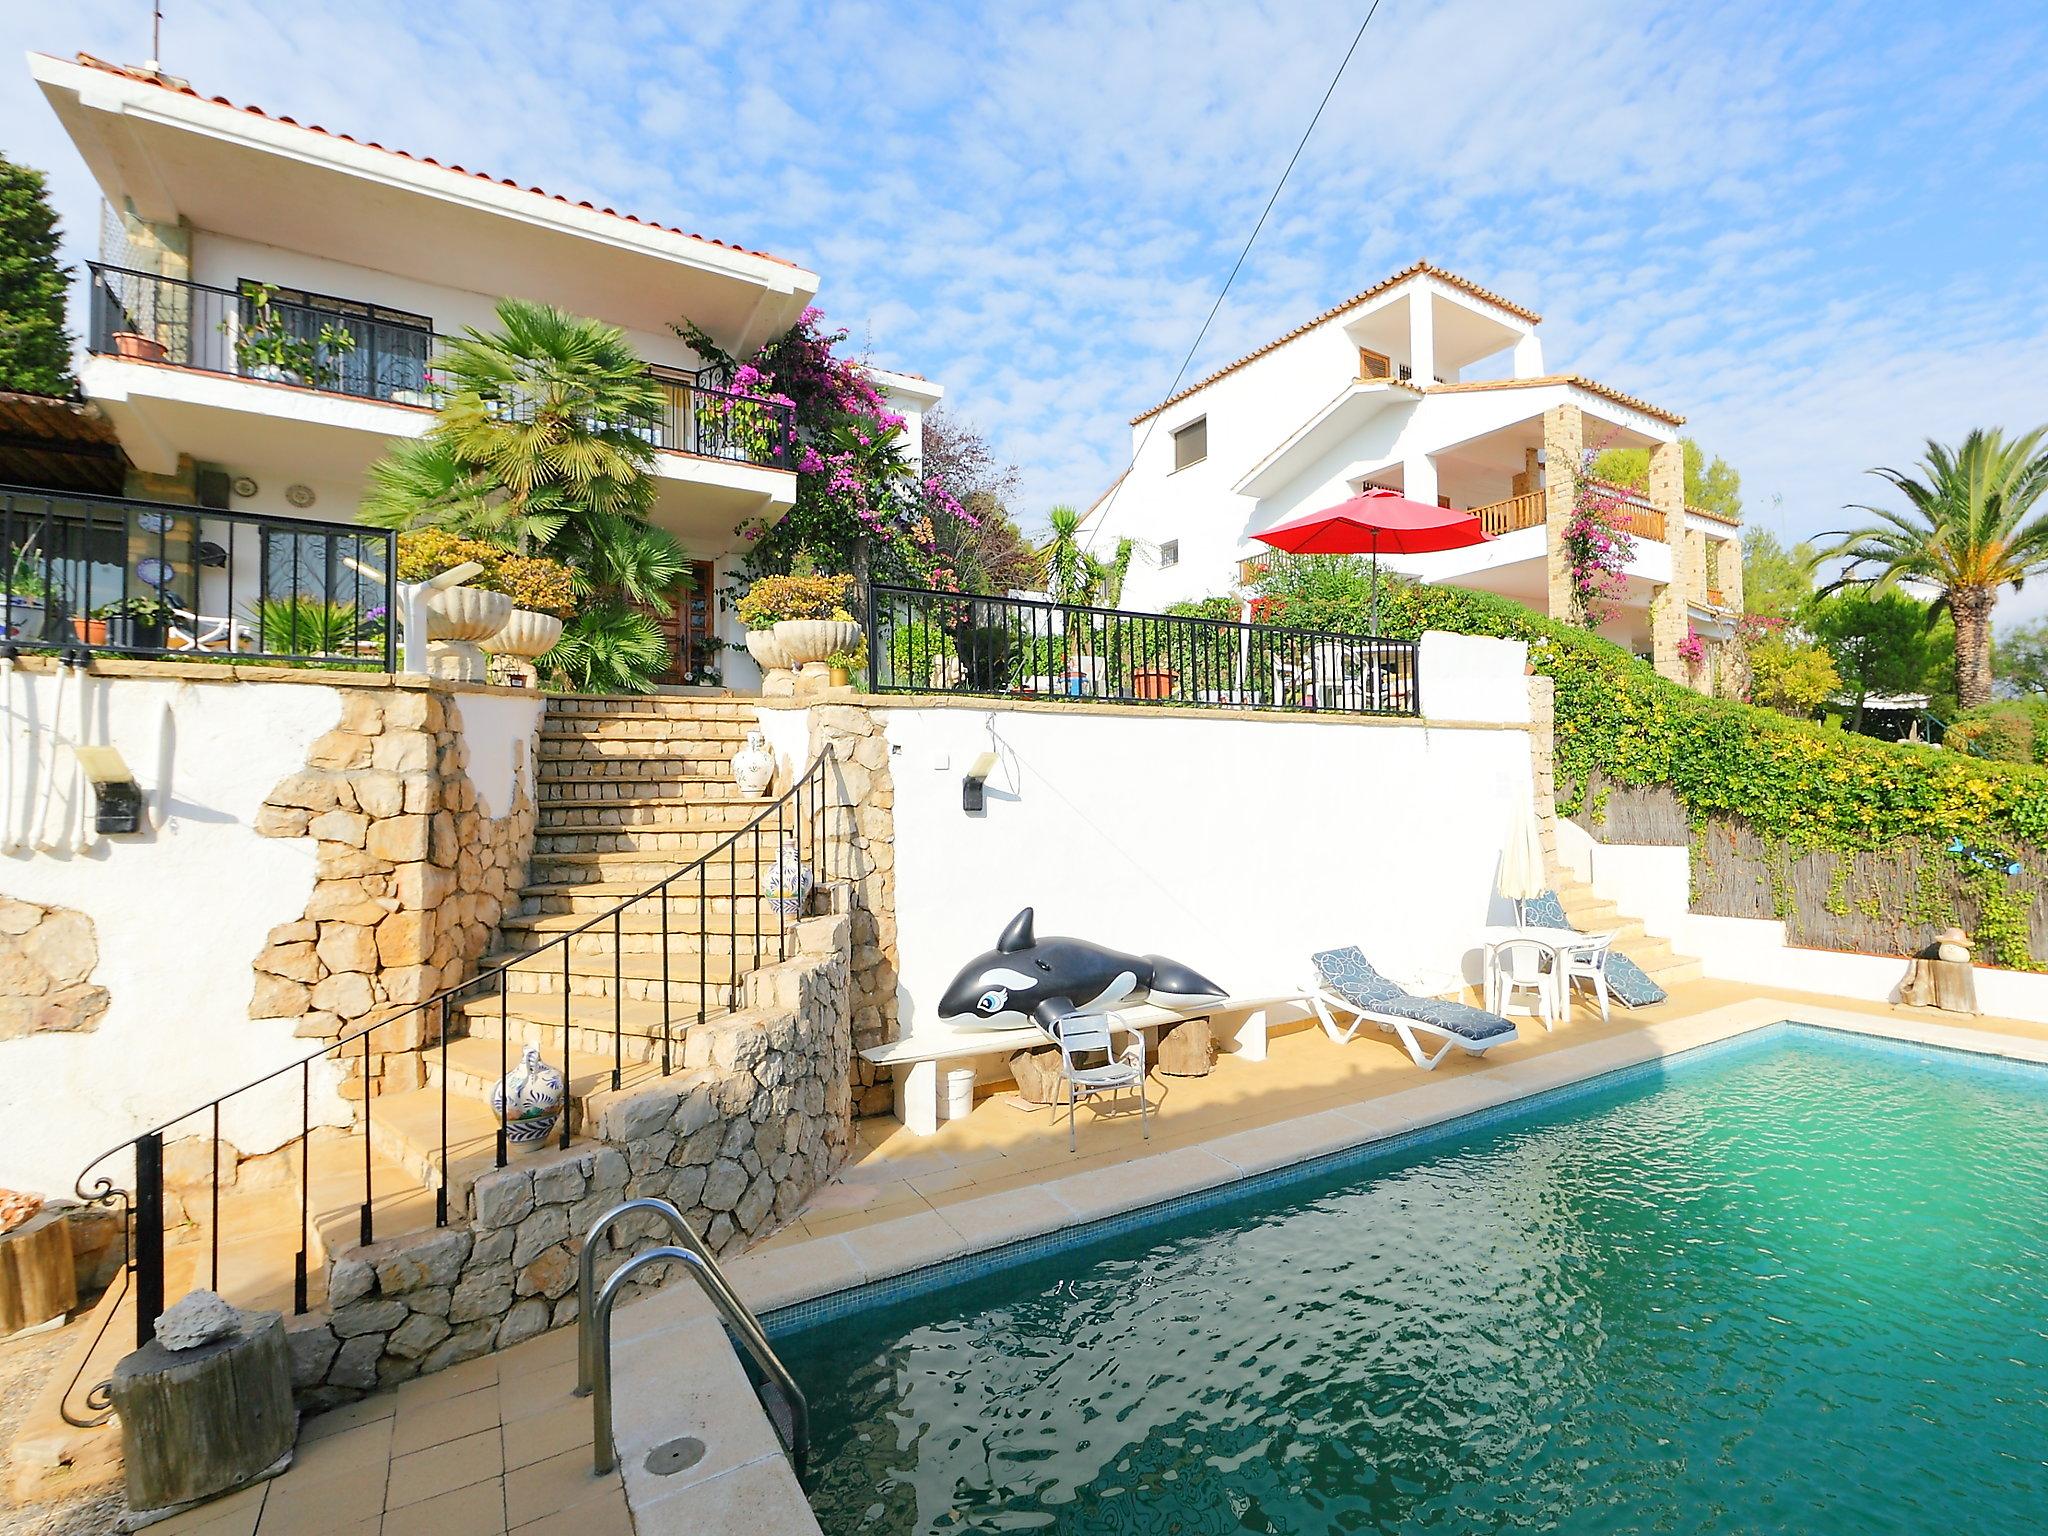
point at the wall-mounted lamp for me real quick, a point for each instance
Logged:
(973, 788)
(118, 798)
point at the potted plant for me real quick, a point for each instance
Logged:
(26, 597)
(843, 664)
(138, 348)
(457, 617)
(543, 594)
(268, 347)
(806, 614)
(136, 623)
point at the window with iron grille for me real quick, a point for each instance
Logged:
(1191, 443)
(1169, 553)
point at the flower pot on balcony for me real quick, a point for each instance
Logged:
(1152, 683)
(138, 348)
(134, 634)
(803, 641)
(22, 618)
(767, 653)
(90, 631)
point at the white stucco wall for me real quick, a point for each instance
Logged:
(1236, 846)
(499, 733)
(180, 911)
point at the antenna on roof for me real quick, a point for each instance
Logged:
(156, 36)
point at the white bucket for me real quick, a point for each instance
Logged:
(959, 1102)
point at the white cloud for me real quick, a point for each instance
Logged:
(1816, 231)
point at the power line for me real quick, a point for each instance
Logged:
(1214, 309)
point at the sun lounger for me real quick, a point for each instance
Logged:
(1348, 985)
(1627, 983)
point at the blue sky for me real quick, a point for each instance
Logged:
(1819, 232)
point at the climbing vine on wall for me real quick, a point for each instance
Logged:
(1796, 783)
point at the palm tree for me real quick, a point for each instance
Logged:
(1066, 563)
(544, 443)
(1968, 530)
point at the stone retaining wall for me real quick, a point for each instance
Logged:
(412, 878)
(738, 1140)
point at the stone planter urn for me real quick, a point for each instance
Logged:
(526, 635)
(457, 618)
(753, 767)
(767, 653)
(807, 640)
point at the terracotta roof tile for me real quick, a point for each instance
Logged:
(1465, 285)
(180, 88)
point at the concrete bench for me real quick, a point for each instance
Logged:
(1241, 1027)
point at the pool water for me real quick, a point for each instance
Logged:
(1799, 1284)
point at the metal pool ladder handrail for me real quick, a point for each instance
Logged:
(594, 1328)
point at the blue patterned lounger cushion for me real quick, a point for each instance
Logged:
(1627, 983)
(1351, 976)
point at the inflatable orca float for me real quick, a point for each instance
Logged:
(1025, 980)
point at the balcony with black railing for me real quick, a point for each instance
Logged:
(157, 580)
(369, 351)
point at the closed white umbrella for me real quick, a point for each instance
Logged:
(1522, 876)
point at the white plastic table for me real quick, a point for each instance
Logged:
(1555, 940)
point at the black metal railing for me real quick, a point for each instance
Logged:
(162, 579)
(340, 347)
(926, 641)
(350, 347)
(725, 424)
(703, 900)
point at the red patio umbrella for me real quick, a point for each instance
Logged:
(1378, 520)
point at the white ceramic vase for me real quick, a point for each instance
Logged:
(789, 882)
(753, 767)
(807, 640)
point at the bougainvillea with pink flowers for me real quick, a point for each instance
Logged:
(860, 507)
(1597, 546)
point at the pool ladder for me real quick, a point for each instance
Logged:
(594, 1331)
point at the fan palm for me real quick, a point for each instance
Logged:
(545, 442)
(1969, 529)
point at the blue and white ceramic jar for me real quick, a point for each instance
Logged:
(529, 1098)
(789, 882)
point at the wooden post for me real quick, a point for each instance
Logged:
(37, 1280)
(200, 1422)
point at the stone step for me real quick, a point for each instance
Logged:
(575, 798)
(590, 977)
(407, 1128)
(687, 838)
(635, 759)
(678, 726)
(703, 706)
(589, 898)
(638, 932)
(738, 869)
(533, 1019)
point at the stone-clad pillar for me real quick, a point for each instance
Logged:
(1564, 440)
(1668, 623)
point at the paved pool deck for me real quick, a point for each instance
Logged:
(499, 1444)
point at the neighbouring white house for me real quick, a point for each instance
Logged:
(232, 239)
(1430, 385)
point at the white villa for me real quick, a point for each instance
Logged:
(1430, 385)
(210, 203)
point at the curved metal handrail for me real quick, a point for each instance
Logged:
(744, 1325)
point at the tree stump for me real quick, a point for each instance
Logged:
(205, 1421)
(1038, 1075)
(1187, 1049)
(1932, 982)
(37, 1278)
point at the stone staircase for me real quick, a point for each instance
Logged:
(630, 790)
(1590, 912)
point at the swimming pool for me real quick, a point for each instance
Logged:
(1797, 1282)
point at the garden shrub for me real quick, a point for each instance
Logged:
(2006, 731)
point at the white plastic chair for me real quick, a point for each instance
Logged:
(1524, 965)
(1585, 963)
(1084, 1034)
